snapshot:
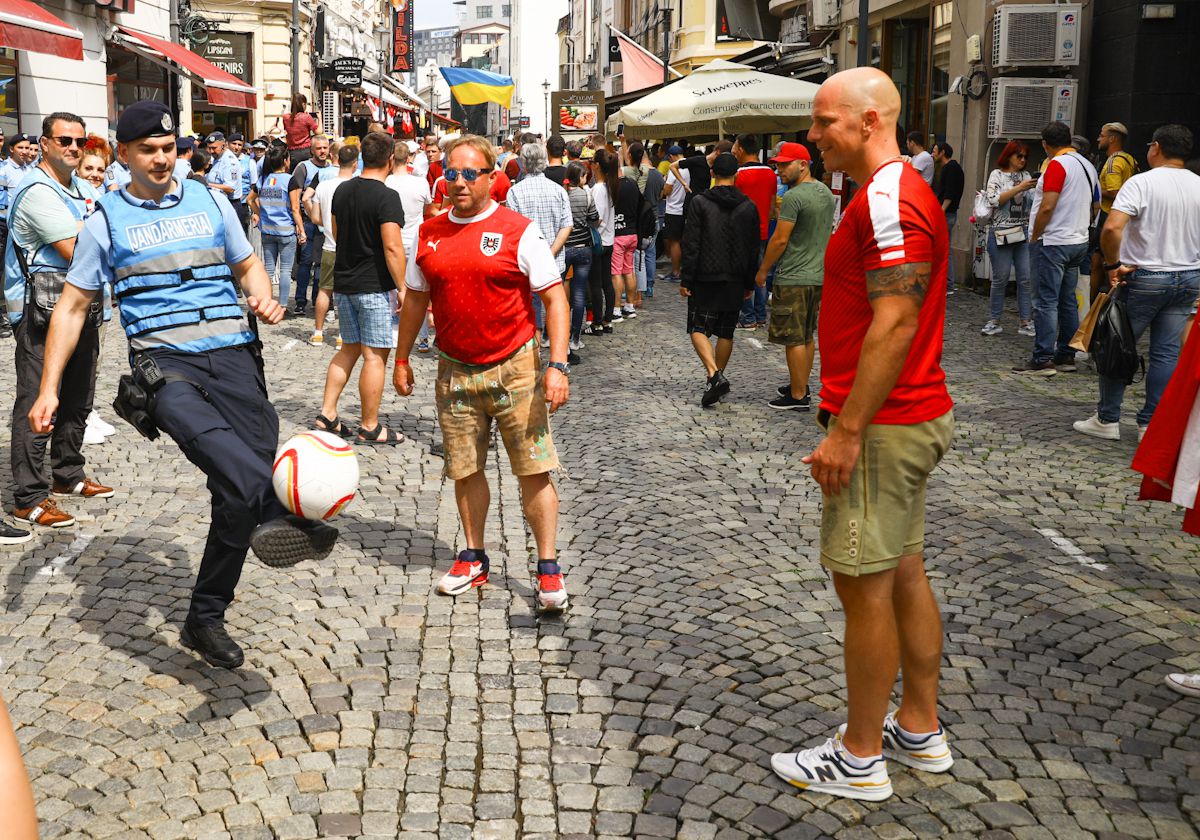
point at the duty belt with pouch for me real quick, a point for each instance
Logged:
(42, 291)
(136, 393)
(1009, 234)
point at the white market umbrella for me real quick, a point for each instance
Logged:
(720, 97)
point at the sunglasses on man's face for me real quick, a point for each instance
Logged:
(468, 175)
(65, 142)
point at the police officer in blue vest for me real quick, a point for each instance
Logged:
(173, 254)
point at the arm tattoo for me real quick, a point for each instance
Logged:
(910, 279)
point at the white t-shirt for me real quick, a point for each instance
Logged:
(533, 256)
(923, 163)
(414, 195)
(324, 197)
(1078, 189)
(678, 193)
(607, 216)
(1164, 233)
(420, 163)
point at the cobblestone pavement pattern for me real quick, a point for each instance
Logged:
(702, 634)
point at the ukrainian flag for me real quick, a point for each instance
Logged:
(473, 87)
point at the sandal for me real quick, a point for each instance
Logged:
(334, 426)
(371, 436)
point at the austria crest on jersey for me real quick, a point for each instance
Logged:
(490, 243)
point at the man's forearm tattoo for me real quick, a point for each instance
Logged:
(907, 279)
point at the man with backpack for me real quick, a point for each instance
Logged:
(1118, 168)
(1064, 202)
(308, 173)
(1151, 249)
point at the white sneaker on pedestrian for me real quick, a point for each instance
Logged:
(827, 769)
(550, 588)
(464, 574)
(1141, 432)
(100, 425)
(992, 328)
(1096, 427)
(929, 751)
(92, 435)
(617, 316)
(577, 345)
(1188, 684)
(1027, 329)
(629, 310)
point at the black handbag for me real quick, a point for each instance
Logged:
(1113, 347)
(42, 291)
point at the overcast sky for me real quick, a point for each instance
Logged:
(538, 64)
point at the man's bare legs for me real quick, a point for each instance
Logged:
(473, 497)
(712, 361)
(370, 383)
(675, 252)
(892, 619)
(324, 299)
(539, 498)
(800, 362)
(340, 367)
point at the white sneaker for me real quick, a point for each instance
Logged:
(992, 328)
(1188, 684)
(824, 769)
(463, 575)
(1096, 427)
(577, 345)
(100, 425)
(1141, 432)
(617, 317)
(92, 435)
(629, 311)
(551, 591)
(1027, 329)
(928, 752)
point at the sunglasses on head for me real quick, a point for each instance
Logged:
(468, 175)
(65, 142)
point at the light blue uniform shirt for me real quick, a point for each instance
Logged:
(226, 171)
(118, 174)
(91, 268)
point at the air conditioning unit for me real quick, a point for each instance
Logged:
(1023, 107)
(826, 14)
(1036, 35)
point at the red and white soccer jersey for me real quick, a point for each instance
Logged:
(894, 219)
(481, 274)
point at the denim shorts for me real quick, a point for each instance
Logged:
(368, 318)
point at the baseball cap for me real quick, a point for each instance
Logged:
(1118, 127)
(725, 165)
(675, 150)
(789, 152)
(145, 118)
(215, 137)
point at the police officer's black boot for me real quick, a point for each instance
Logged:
(213, 643)
(289, 539)
(6, 329)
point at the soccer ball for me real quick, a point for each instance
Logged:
(315, 475)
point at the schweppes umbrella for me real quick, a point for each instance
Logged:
(473, 87)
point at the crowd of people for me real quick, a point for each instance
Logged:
(506, 259)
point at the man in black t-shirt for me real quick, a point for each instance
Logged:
(949, 193)
(368, 277)
(556, 147)
(699, 169)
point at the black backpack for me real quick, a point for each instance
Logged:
(1113, 347)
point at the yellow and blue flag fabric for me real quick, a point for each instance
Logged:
(473, 87)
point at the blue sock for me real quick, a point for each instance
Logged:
(478, 555)
(548, 567)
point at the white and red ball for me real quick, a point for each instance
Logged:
(315, 475)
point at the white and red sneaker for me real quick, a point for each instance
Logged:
(550, 588)
(467, 572)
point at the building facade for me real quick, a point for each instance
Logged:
(433, 45)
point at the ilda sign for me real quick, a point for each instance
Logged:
(348, 72)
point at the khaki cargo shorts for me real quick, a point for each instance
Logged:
(880, 516)
(793, 315)
(513, 393)
(328, 258)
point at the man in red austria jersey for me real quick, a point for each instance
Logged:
(478, 265)
(889, 420)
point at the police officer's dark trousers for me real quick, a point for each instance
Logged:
(75, 394)
(230, 431)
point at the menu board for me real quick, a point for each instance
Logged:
(577, 112)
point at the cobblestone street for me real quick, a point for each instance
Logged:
(702, 636)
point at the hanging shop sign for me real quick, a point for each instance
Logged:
(230, 51)
(576, 112)
(402, 36)
(348, 72)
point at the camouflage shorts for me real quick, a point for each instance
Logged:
(512, 392)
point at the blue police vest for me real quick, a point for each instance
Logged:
(170, 276)
(11, 177)
(274, 205)
(43, 258)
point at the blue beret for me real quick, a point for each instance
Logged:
(145, 118)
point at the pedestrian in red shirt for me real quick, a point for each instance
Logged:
(889, 420)
(478, 265)
(760, 184)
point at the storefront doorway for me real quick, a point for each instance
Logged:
(9, 103)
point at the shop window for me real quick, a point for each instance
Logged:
(940, 71)
(9, 106)
(131, 78)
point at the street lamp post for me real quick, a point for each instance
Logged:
(665, 9)
(546, 90)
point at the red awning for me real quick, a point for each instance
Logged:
(27, 26)
(224, 89)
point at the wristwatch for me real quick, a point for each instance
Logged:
(1112, 266)
(560, 366)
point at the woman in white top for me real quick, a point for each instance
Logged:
(1008, 234)
(604, 192)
